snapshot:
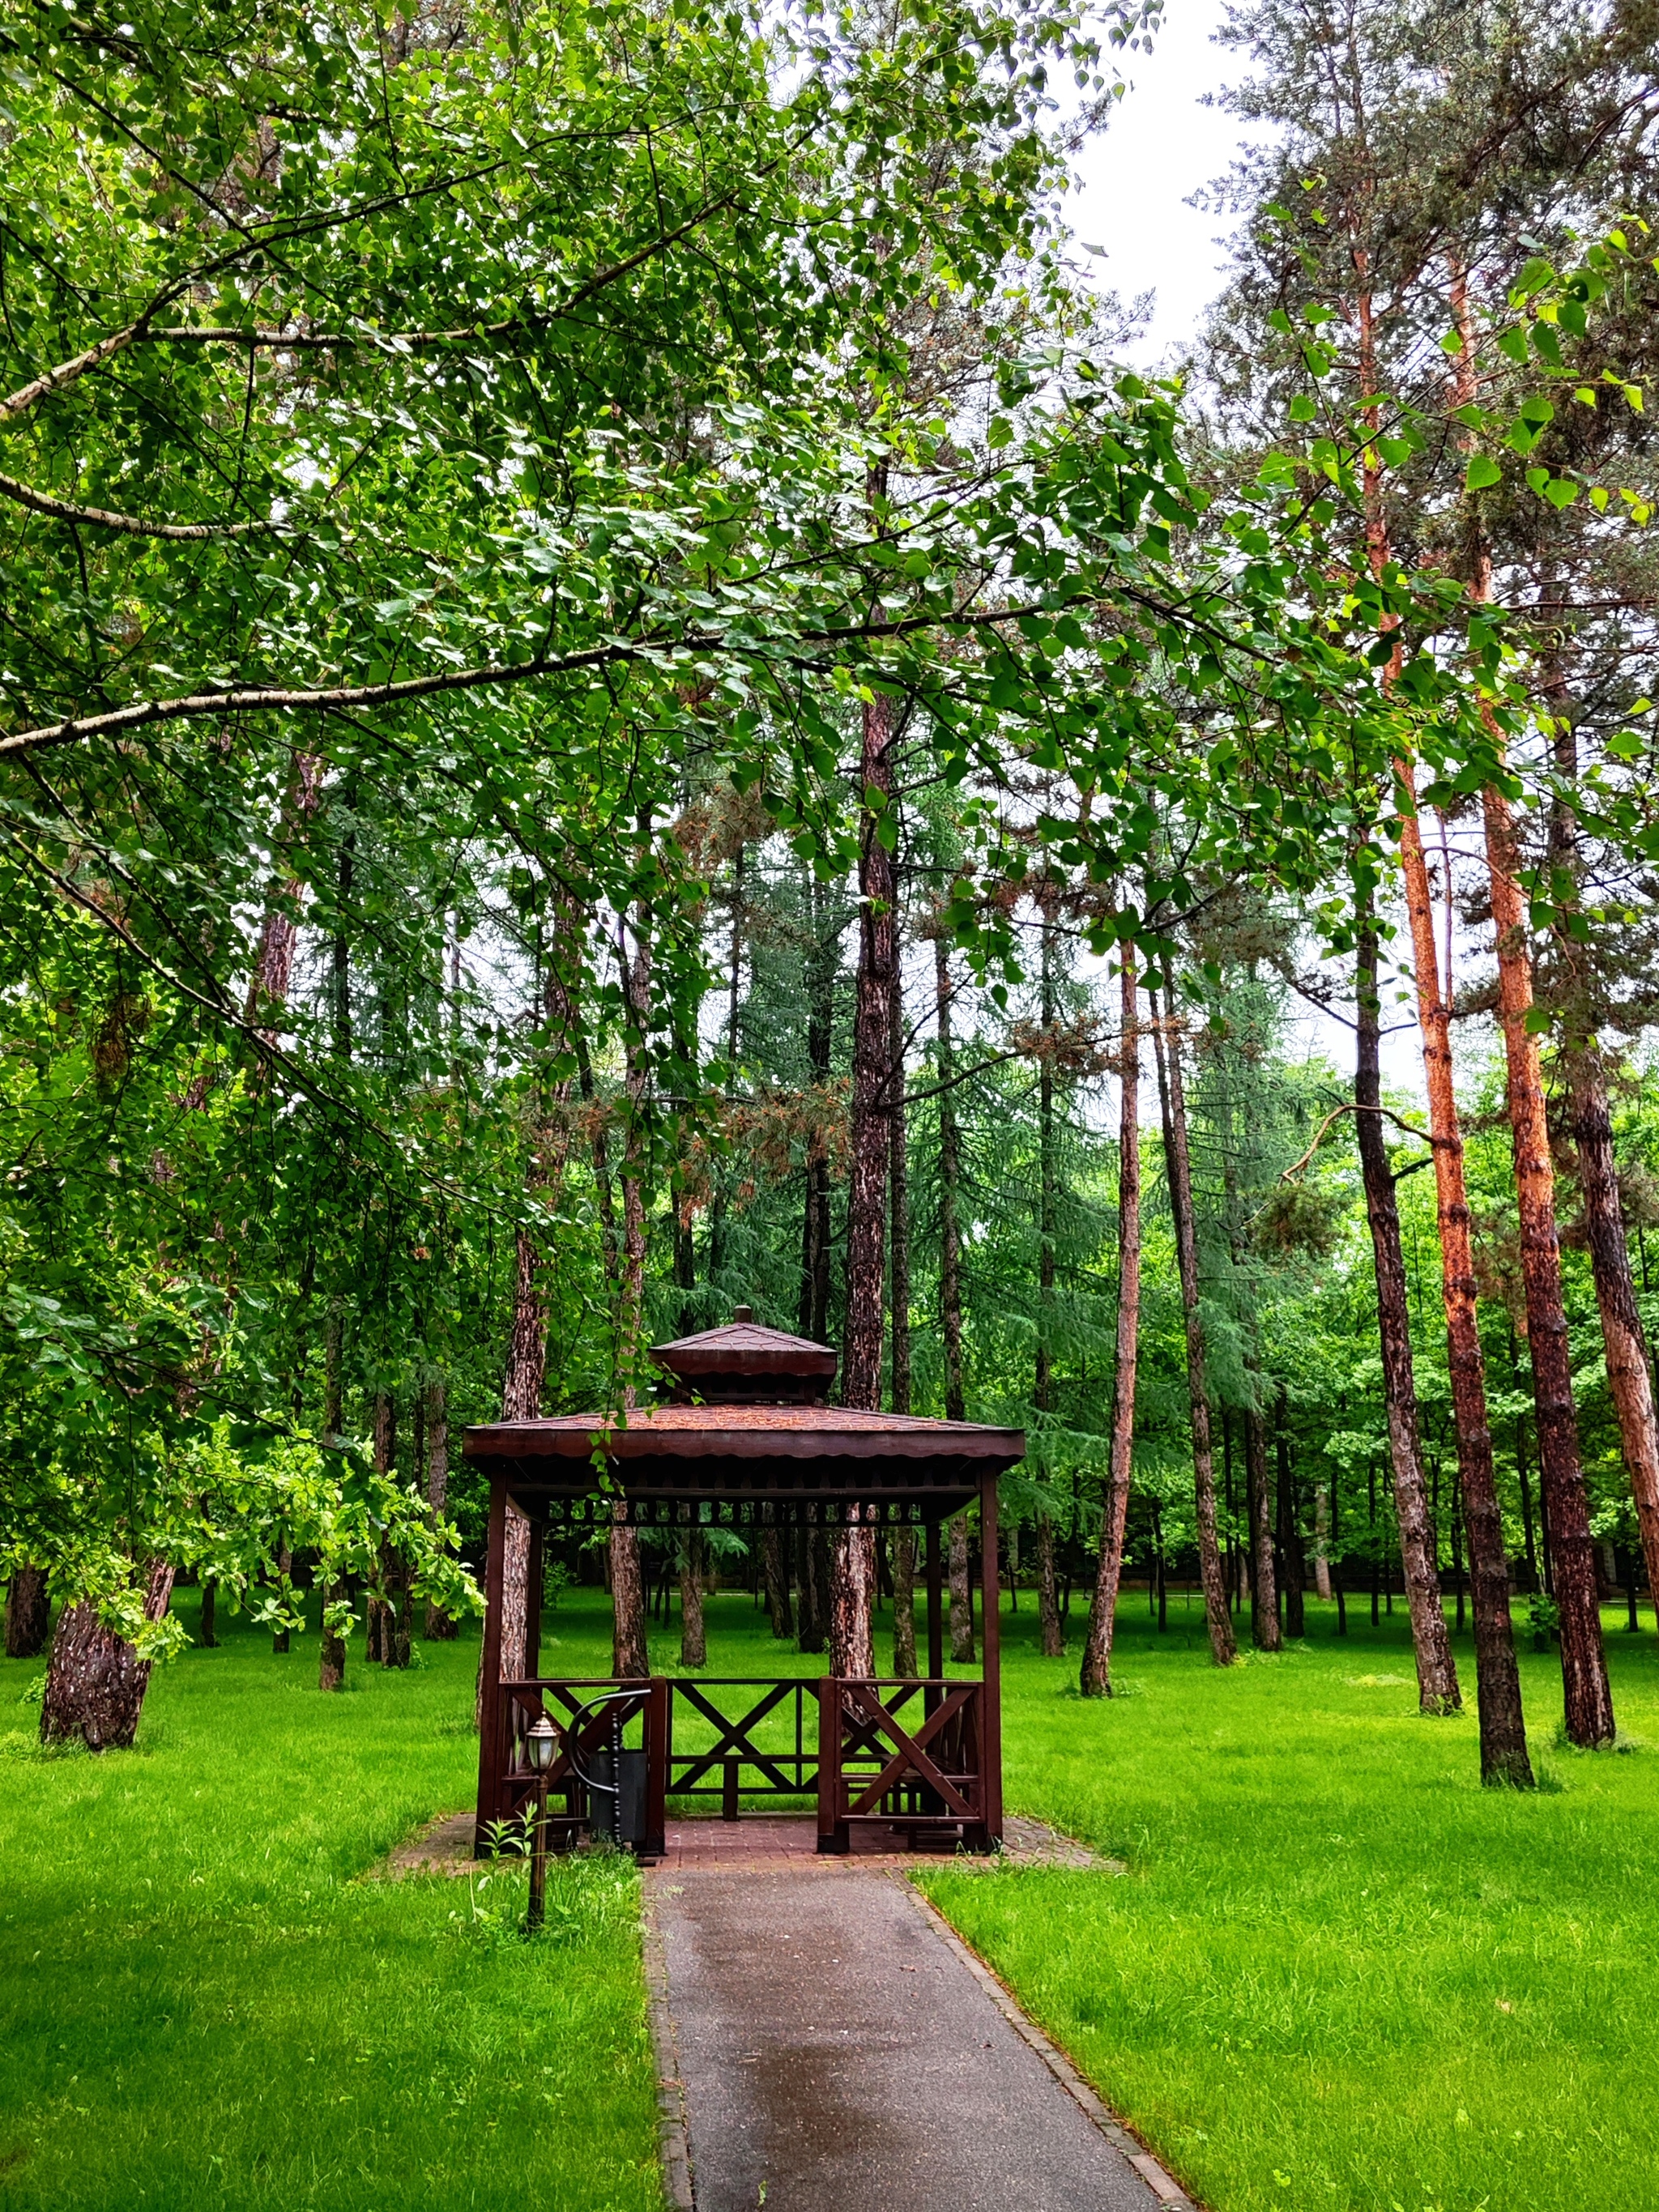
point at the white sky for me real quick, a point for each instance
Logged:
(1162, 146)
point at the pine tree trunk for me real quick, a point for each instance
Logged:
(851, 1642)
(1630, 1373)
(734, 997)
(1588, 1696)
(383, 1611)
(898, 1179)
(1292, 1563)
(960, 1593)
(694, 1645)
(1438, 1690)
(1264, 1581)
(1095, 1679)
(1172, 1092)
(96, 1680)
(28, 1614)
(1504, 1757)
(820, 1021)
(949, 1180)
(775, 1569)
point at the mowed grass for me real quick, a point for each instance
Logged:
(1338, 1973)
(205, 2003)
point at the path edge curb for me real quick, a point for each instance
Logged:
(673, 2138)
(1171, 2196)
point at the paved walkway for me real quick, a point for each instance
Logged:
(827, 2045)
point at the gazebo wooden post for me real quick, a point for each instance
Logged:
(656, 1724)
(491, 1731)
(991, 1627)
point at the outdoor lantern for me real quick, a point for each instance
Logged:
(541, 1743)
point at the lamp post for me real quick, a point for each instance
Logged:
(540, 1744)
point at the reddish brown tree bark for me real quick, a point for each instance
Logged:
(1504, 1757)
(1588, 1694)
(1437, 1688)
(1172, 1092)
(96, 1680)
(1630, 1373)
(1094, 1679)
(630, 1657)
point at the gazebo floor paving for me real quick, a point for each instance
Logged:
(826, 2043)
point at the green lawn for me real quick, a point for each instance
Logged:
(1337, 1974)
(202, 2003)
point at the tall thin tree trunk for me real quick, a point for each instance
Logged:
(207, 1623)
(775, 1567)
(1094, 1679)
(852, 1643)
(28, 1614)
(377, 1636)
(898, 1386)
(331, 1652)
(949, 1180)
(1264, 1582)
(694, 1643)
(630, 1655)
(1050, 1628)
(1588, 1695)
(96, 1680)
(441, 1626)
(1630, 1373)
(959, 1567)
(904, 1602)
(1172, 1092)
(1504, 1757)
(820, 1036)
(735, 998)
(1438, 1690)
(1322, 1544)
(1292, 1563)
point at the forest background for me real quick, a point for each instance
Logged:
(613, 711)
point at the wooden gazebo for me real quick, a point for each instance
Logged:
(745, 1438)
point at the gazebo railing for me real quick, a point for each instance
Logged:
(921, 1770)
(905, 1753)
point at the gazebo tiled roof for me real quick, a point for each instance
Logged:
(761, 1437)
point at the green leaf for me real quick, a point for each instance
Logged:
(1482, 472)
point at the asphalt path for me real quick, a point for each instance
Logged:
(838, 2051)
